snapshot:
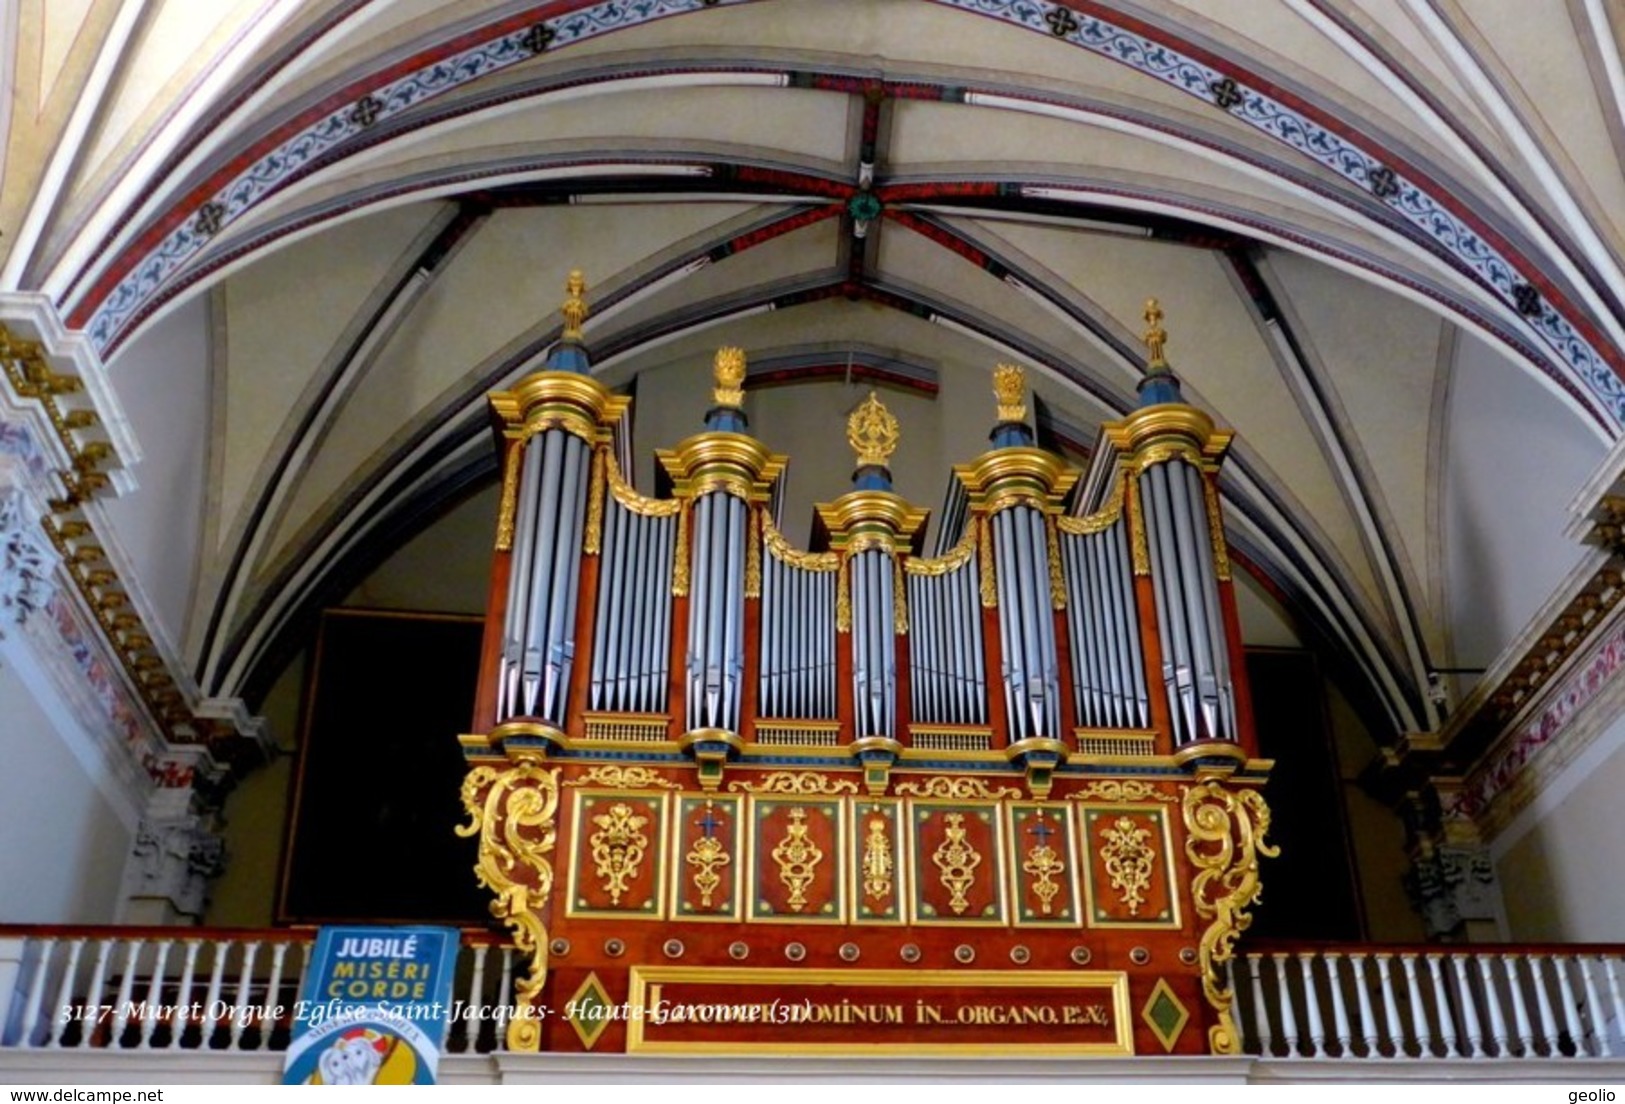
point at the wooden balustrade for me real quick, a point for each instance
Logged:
(1380, 1002)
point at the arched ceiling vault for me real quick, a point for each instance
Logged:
(1340, 206)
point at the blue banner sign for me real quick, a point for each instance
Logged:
(375, 1008)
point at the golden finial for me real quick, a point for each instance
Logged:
(872, 432)
(729, 369)
(575, 307)
(1009, 385)
(1155, 335)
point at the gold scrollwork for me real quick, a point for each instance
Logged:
(1103, 518)
(843, 601)
(592, 539)
(618, 847)
(797, 857)
(1128, 789)
(1225, 836)
(618, 777)
(1138, 550)
(990, 594)
(753, 557)
(510, 496)
(950, 561)
(679, 567)
(516, 821)
(878, 865)
(1057, 582)
(956, 861)
(965, 787)
(707, 856)
(781, 550)
(1044, 864)
(899, 598)
(628, 497)
(1215, 531)
(796, 782)
(1129, 861)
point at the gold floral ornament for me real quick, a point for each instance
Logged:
(1155, 336)
(1043, 864)
(1128, 860)
(706, 857)
(957, 861)
(514, 812)
(618, 847)
(575, 305)
(877, 861)
(872, 432)
(729, 370)
(1225, 836)
(1010, 387)
(798, 858)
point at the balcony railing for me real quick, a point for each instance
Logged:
(203, 989)
(218, 989)
(1430, 1001)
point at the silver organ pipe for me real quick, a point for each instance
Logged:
(544, 581)
(1026, 623)
(946, 683)
(716, 613)
(874, 665)
(1103, 625)
(1196, 664)
(632, 623)
(796, 678)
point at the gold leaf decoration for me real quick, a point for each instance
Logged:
(956, 860)
(872, 432)
(618, 777)
(1225, 836)
(618, 848)
(514, 812)
(797, 857)
(1009, 387)
(1128, 789)
(1129, 860)
(729, 370)
(796, 782)
(877, 860)
(943, 786)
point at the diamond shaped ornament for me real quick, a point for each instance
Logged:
(1164, 1014)
(589, 1011)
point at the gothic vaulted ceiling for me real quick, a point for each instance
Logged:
(305, 237)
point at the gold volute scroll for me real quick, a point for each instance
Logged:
(1226, 830)
(1155, 336)
(872, 432)
(729, 370)
(514, 811)
(1009, 387)
(574, 308)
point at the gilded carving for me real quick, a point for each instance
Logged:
(877, 860)
(956, 860)
(1129, 861)
(592, 538)
(510, 496)
(781, 550)
(624, 778)
(753, 558)
(950, 561)
(1128, 789)
(1225, 836)
(1057, 582)
(1043, 864)
(574, 307)
(843, 602)
(801, 783)
(1009, 387)
(707, 857)
(899, 598)
(618, 847)
(990, 594)
(1138, 549)
(679, 567)
(516, 820)
(1215, 530)
(965, 787)
(1101, 519)
(797, 857)
(628, 497)
(872, 432)
(729, 370)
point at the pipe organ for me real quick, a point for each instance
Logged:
(848, 772)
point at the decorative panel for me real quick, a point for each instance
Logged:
(797, 851)
(958, 857)
(617, 855)
(706, 870)
(1043, 865)
(1128, 860)
(878, 864)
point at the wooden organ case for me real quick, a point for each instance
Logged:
(734, 796)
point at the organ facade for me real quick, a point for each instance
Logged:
(734, 794)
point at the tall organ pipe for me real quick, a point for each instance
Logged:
(1118, 556)
(1207, 689)
(566, 581)
(519, 583)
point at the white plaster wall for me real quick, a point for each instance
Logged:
(1514, 458)
(62, 845)
(1558, 861)
(162, 381)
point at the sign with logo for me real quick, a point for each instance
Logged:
(375, 1007)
